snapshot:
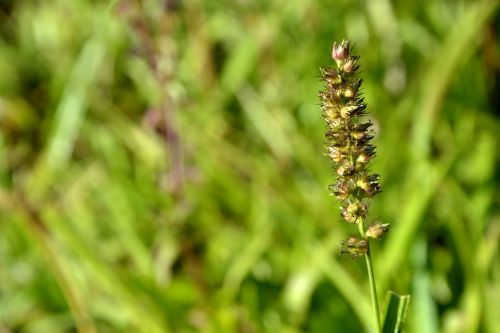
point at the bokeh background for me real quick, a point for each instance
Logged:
(162, 167)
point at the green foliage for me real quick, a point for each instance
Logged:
(395, 312)
(161, 165)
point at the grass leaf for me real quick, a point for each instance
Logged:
(395, 313)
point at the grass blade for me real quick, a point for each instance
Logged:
(395, 313)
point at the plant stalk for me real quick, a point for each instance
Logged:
(373, 289)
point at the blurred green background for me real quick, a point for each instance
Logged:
(162, 168)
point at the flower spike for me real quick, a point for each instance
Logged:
(348, 138)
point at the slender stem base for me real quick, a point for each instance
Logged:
(373, 289)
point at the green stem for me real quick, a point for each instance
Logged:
(373, 289)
